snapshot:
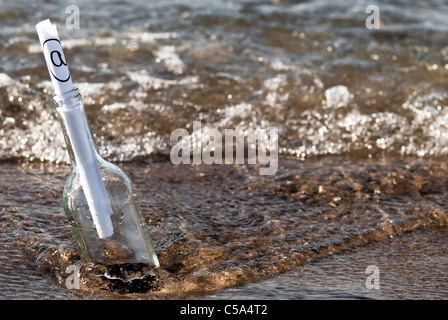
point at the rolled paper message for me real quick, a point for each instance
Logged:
(77, 129)
(54, 56)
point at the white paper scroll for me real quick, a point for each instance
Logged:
(54, 56)
(77, 129)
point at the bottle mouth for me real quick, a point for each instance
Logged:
(60, 100)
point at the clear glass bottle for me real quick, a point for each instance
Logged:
(130, 242)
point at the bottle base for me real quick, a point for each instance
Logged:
(122, 278)
(130, 278)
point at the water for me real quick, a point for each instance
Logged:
(361, 115)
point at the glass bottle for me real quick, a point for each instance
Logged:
(130, 242)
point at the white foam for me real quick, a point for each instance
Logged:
(5, 80)
(150, 82)
(172, 62)
(337, 97)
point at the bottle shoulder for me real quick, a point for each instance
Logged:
(111, 174)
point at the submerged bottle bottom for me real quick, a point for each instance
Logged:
(122, 278)
(130, 278)
(129, 241)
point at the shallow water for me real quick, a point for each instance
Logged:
(311, 69)
(216, 227)
(362, 127)
(411, 266)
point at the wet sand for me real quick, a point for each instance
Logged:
(412, 266)
(226, 232)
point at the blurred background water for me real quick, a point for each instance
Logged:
(362, 118)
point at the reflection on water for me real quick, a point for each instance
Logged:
(362, 133)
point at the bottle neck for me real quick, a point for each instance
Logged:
(71, 113)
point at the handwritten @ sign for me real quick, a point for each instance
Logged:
(58, 66)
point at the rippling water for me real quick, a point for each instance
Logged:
(362, 119)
